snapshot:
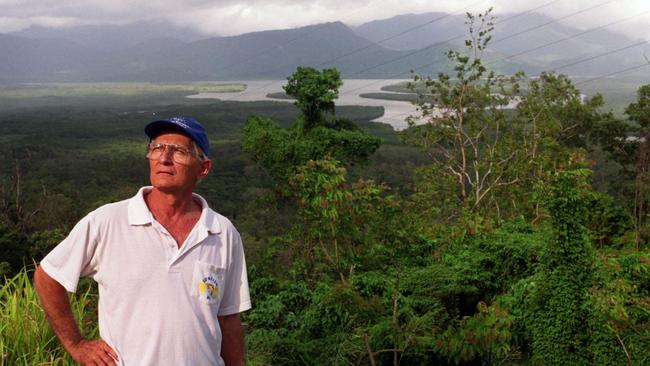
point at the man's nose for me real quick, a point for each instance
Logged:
(167, 157)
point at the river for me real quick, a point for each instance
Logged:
(395, 112)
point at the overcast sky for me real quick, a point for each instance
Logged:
(231, 17)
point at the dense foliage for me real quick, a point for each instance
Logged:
(476, 237)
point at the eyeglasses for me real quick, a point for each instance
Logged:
(180, 154)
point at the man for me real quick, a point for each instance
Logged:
(171, 272)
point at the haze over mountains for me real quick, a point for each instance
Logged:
(389, 48)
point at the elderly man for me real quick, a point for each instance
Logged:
(171, 271)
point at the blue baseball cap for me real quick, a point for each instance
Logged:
(186, 125)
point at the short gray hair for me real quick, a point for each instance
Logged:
(199, 152)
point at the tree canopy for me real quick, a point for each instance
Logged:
(311, 137)
(314, 92)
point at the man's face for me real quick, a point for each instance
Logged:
(169, 176)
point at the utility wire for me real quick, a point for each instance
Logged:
(564, 39)
(434, 45)
(391, 37)
(365, 47)
(637, 67)
(513, 35)
(645, 64)
(601, 55)
(551, 22)
(509, 57)
(561, 67)
(557, 68)
(518, 33)
(459, 36)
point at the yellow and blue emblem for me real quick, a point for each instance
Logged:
(209, 288)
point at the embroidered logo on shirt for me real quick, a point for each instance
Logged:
(209, 288)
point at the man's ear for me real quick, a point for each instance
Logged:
(206, 166)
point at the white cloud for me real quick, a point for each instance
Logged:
(229, 17)
(8, 24)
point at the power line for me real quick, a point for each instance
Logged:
(566, 38)
(552, 21)
(429, 47)
(372, 44)
(645, 64)
(451, 39)
(442, 42)
(436, 44)
(567, 65)
(601, 55)
(448, 40)
(416, 51)
(391, 37)
(527, 30)
(571, 64)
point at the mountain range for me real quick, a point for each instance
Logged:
(389, 48)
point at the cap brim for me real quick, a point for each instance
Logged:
(155, 128)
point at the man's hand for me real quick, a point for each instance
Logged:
(55, 303)
(93, 353)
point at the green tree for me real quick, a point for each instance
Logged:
(555, 126)
(312, 137)
(491, 141)
(314, 92)
(628, 142)
(461, 124)
(639, 113)
(559, 324)
(338, 223)
(619, 313)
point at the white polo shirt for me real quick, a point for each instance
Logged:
(158, 304)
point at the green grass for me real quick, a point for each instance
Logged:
(279, 95)
(25, 336)
(129, 97)
(116, 89)
(401, 87)
(404, 97)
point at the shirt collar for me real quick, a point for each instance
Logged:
(139, 213)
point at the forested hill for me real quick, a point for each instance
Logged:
(388, 48)
(537, 40)
(259, 55)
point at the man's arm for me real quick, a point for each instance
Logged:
(56, 304)
(232, 341)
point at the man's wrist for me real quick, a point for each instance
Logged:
(71, 343)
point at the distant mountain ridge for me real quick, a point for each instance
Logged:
(514, 35)
(260, 55)
(157, 51)
(113, 37)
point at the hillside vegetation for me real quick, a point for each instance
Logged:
(480, 235)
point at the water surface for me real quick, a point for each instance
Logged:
(395, 112)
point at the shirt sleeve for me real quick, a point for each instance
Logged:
(236, 297)
(72, 258)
